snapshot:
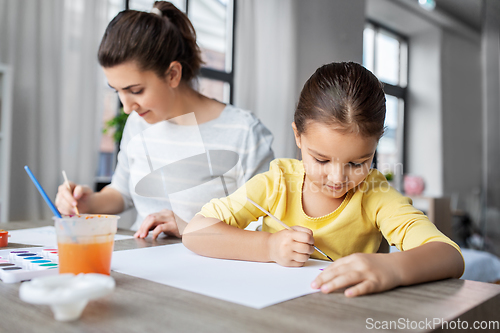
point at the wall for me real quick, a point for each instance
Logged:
(462, 114)
(279, 44)
(327, 31)
(265, 66)
(491, 114)
(424, 145)
(443, 120)
(491, 74)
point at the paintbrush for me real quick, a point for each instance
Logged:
(42, 192)
(69, 188)
(283, 224)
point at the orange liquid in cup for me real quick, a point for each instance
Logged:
(85, 258)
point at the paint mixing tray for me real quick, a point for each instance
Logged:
(24, 264)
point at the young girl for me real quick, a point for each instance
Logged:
(331, 199)
(151, 60)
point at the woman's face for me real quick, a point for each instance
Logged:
(153, 98)
(334, 162)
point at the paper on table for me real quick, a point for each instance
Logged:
(252, 284)
(43, 236)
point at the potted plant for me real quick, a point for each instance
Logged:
(117, 124)
(390, 177)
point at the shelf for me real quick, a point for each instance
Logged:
(437, 210)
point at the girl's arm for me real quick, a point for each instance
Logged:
(429, 262)
(374, 272)
(213, 238)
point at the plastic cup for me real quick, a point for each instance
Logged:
(85, 243)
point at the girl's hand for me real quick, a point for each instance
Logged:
(291, 247)
(79, 195)
(163, 221)
(366, 272)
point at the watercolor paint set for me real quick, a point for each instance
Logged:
(25, 264)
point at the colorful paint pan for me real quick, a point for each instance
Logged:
(47, 266)
(45, 252)
(26, 261)
(12, 254)
(15, 266)
(20, 257)
(35, 263)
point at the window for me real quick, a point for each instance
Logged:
(213, 21)
(107, 147)
(146, 5)
(385, 53)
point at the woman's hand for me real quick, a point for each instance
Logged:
(77, 195)
(162, 221)
(291, 247)
(366, 273)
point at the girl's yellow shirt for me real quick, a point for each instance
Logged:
(368, 212)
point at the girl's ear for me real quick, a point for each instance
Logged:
(297, 135)
(173, 75)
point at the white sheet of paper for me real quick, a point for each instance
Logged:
(252, 284)
(43, 236)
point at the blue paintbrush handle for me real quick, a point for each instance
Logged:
(42, 192)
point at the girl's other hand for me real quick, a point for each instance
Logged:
(291, 247)
(162, 221)
(79, 196)
(366, 273)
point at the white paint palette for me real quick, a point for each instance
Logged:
(18, 265)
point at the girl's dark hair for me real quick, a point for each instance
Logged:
(344, 94)
(152, 41)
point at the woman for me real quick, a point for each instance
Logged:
(151, 60)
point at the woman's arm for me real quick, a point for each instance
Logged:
(107, 201)
(213, 238)
(165, 221)
(367, 273)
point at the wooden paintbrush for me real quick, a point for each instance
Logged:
(283, 224)
(69, 188)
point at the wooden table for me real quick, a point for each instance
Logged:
(139, 305)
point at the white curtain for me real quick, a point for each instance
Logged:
(265, 67)
(82, 97)
(52, 46)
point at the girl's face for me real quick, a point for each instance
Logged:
(334, 162)
(153, 98)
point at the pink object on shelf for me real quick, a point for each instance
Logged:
(413, 185)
